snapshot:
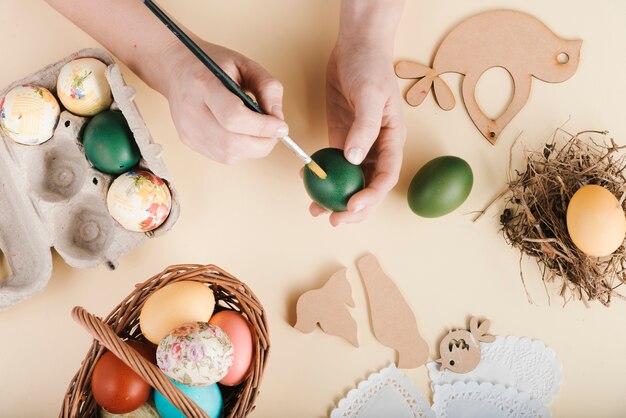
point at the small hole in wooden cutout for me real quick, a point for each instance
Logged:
(95, 181)
(562, 58)
(67, 123)
(494, 92)
(452, 363)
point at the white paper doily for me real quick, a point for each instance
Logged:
(388, 393)
(529, 366)
(484, 400)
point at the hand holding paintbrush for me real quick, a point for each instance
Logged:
(229, 83)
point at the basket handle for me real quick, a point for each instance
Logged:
(148, 371)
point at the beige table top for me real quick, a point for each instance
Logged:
(252, 219)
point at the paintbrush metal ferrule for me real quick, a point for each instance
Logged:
(291, 144)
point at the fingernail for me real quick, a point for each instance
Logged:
(277, 111)
(282, 131)
(358, 208)
(355, 156)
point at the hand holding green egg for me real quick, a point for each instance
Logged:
(343, 180)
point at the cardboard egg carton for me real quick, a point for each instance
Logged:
(51, 196)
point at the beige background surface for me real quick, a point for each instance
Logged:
(252, 219)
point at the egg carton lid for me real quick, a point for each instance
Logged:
(31, 222)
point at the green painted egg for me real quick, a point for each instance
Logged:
(440, 186)
(109, 143)
(343, 180)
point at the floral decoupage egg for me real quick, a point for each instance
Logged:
(139, 201)
(29, 114)
(82, 87)
(195, 354)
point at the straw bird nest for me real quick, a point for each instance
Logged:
(534, 215)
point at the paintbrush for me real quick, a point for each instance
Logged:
(229, 83)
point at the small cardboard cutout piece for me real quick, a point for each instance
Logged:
(393, 322)
(327, 306)
(460, 349)
(513, 40)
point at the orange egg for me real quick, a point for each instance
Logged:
(240, 333)
(173, 305)
(595, 221)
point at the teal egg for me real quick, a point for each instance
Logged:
(109, 143)
(343, 179)
(440, 186)
(208, 398)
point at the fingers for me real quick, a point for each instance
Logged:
(233, 116)
(267, 89)
(385, 176)
(368, 114)
(218, 144)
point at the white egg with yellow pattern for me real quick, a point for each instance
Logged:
(83, 88)
(195, 354)
(139, 201)
(29, 114)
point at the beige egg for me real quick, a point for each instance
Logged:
(29, 114)
(174, 305)
(82, 87)
(595, 221)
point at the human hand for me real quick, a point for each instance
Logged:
(365, 119)
(209, 118)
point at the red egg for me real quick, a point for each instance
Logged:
(115, 386)
(238, 330)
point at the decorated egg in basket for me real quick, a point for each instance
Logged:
(139, 201)
(195, 354)
(29, 114)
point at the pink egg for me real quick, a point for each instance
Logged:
(238, 330)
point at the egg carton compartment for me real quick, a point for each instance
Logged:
(51, 196)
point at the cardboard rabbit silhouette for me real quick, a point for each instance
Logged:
(513, 40)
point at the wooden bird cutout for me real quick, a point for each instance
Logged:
(513, 40)
(393, 322)
(460, 349)
(326, 306)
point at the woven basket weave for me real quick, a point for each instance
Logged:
(123, 323)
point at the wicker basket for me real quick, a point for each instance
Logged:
(123, 322)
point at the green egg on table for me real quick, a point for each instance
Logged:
(440, 186)
(109, 143)
(343, 180)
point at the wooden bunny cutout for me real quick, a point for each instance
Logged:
(327, 306)
(460, 349)
(513, 40)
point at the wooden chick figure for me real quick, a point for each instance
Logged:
(327, 306)
(460, 349)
